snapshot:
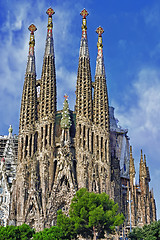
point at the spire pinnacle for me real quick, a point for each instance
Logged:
(10, 130)
(50, 12)
(32, 28)
(31, 58)
(84, 42)
(100, 70)
(49, 41)
(132, 167)
(141, 156)
(130, 151)
(84, 14)
(100, 31)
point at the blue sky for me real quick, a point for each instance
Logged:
(132, 59)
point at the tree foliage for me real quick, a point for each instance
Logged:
(148, 232)
(23, 232)
(53, 233)
(91, 212)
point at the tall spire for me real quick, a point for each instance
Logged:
(84, 81)
(48, 98)
(100, 70)
(31, 57)
(132, 168)
(100, 100)
(28, 113)
(84, 42)
(49, 41)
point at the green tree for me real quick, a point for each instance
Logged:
(92, 214)
(53, 233)
(23, 232)
(148, 232)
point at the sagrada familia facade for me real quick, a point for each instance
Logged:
(62, 151)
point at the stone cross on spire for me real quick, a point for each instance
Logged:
(84, 14)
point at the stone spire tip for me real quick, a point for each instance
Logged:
(10, 130)
(84, 42)
(32, 28)
(84, 14)
(31, 58)
(100, 69)
(49, 40)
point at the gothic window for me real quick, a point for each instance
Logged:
(26, 145)
(101, 142)
(50, 133)
(22, 147)
(84, 133)
(106, 150)
(35, 141)
(41, 141)
(97, 140)
(88, 139)
(46, 133)
(30, 145)
(92, 139)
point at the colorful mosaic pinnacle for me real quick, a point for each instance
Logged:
(84, 13)
(66, 96)
(32, 28)
(100, 31)
(50, 12)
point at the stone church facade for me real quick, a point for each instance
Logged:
(60, 152)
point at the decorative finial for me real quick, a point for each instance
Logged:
(84, 14)
(10, 130)
(99, 31)
(32, 28)
(66, 97)
(50, 12)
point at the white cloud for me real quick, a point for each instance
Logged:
(152, 14)
(142, 117)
